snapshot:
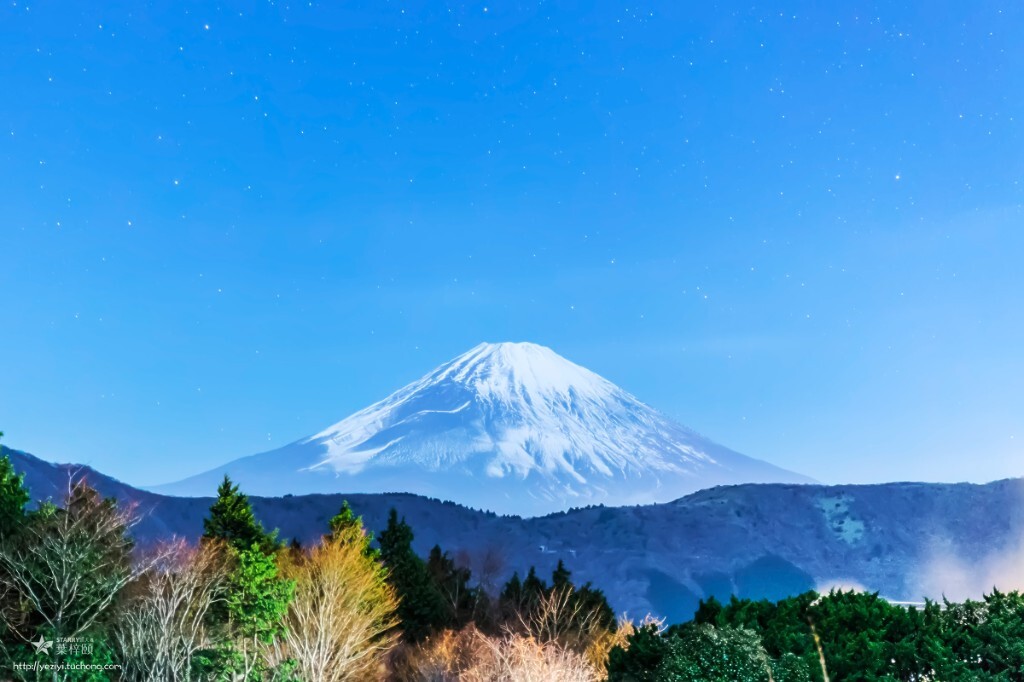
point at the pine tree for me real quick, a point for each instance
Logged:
(421, 607)
(560, 576)
(453, 583)
(252, 615)
(511, 600)
(341, 525)
(513, 590)
(231, 519)
(257, 601)
(534, 588)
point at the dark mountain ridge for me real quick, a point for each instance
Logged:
(754, 540)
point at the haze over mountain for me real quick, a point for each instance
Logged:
(509, 427)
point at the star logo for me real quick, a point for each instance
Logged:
(42, 646)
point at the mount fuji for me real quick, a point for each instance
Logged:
(509, 427)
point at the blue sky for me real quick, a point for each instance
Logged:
(795, 228)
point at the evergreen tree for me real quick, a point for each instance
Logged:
(708, 611)
(345, 521)
(421, 606)
(255, 607)
(693, 652)
(586, 601)
(590, 600)
(641, 661)
(252, 615)
(231, 519)
(453, 583)
(534, 588)
(560, 577)
(511, 600)
(513, 590)
(569, 613)
(791, 668)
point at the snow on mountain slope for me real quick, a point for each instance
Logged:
(510, 427)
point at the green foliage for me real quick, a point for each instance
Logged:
(700, 652)
(864, 637)
(790, 668)
(63, 571)
(67, 563)
(642, 660)
(251, 616)
(511, 599)
(14, 497)
(257, 598)
(345, 521)
(986, 637)
(533, 588)
(704, 652)
(452, 582)
(231, 519)
(421, 607)
(593, 600)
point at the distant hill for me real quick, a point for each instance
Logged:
(510, 427)
(766, 540)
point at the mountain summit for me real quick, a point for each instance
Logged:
(510, 427)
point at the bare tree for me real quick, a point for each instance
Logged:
(559, 617)
(341, 621)
(71, 563)
(487, 565)
(519, 658)
(163, 625)
(470, 656)
(68, 565)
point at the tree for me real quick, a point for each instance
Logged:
(691, 652)
(341, 620)
(570, 615)
(452, 582)
(164, 625)
(13, 500)
(255, 603)
(231, 519)
(791, 668)
(251, 615)
(534, 588)
(988, 636)
(641, 659)
(67, 568)
(421, 607)
(341, 525)
(560, 577)
(14, 497)
(703, 652)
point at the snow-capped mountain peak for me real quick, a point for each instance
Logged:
(509, 372)
(512, 427)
